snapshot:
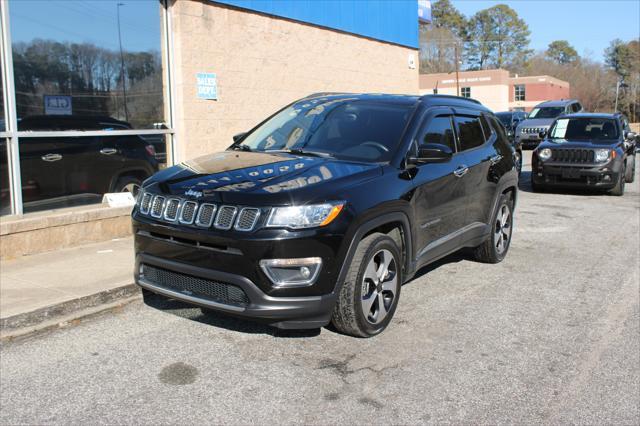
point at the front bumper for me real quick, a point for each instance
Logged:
(574, 176)
(281, 312)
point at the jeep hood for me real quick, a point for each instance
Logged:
(536, 122)
(261, 178)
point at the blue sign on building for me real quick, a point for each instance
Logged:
(207, 84)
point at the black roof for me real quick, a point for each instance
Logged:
(591, 115)
(447, 100)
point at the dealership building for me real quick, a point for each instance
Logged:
(496, 88)
(180, 77)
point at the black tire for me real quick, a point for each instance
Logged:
(491, 251)
(630, 176)
(348, 314)
(536, 187)
(618, 190)
(128, 184)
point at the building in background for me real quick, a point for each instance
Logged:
(496, 89)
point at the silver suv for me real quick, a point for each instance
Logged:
(541, 117)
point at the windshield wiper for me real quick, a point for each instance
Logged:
(297, 151)
(241, 148)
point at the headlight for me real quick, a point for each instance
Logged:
(601, 155)
(299, 217)
(544, 154)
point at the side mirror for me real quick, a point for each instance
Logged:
(431, 153)
(542, 135)
(630, 136)
(239, 136)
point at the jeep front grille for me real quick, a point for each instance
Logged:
(171, 211)
(533, 130)
(203, 215)
(216, 291)
(225, 217)
(157, 206)
(145, 203)
(573, 155)
(206, 215)
(188, 212)
(247, 219)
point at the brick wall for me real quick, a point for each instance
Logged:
(263, 63)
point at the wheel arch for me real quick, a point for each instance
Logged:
(394, 224)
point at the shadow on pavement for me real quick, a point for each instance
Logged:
(227, 322)
(524, 185)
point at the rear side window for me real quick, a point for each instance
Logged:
(469, 132)
(485, 127)
(440, 131)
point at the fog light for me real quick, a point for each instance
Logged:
(607, 178)
(292, 272)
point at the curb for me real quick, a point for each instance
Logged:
(61, 314)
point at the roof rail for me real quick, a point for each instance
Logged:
(461, 98)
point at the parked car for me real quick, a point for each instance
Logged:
(540, 118)
(510, 120)
(61, 170)
(324, 210)
(585, 151)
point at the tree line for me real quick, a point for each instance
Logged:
(497, 37)
(93, 76)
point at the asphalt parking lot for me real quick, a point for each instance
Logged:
(550, 335)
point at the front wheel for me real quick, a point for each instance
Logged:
(496, 246)
(618, 190)
(369, 296)
(631, 170)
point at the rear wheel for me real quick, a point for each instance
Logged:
(128, 184)
(369, 296)
(495, 248)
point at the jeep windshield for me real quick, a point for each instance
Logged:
(346, 128)
(546, 112)
(585, 129)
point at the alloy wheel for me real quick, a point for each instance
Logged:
(379, 286)
(132, 188)
(503, 229)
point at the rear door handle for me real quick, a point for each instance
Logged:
(495, 159)
(461, 171)
(52, 157)
(108, 151)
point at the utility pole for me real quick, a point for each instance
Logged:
(617, 92)
(124, 82)
(457, 69)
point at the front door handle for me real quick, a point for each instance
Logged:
(52, 157)
(461, 171)
(495, 159)
(108, 151)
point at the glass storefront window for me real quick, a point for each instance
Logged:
(68, 171)
(5, 194)
(90, 67)
(86, 58)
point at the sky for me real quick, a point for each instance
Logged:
(588, 26)
(88, 21)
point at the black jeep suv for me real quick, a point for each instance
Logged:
(323, 211)
(594, 151)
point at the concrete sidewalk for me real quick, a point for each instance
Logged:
(52, 286)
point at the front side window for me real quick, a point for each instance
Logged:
(520, 92)
(344, 128)
(469, 132)
(439, 131)
(546, 112)
(465, 92)
(594, 129)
